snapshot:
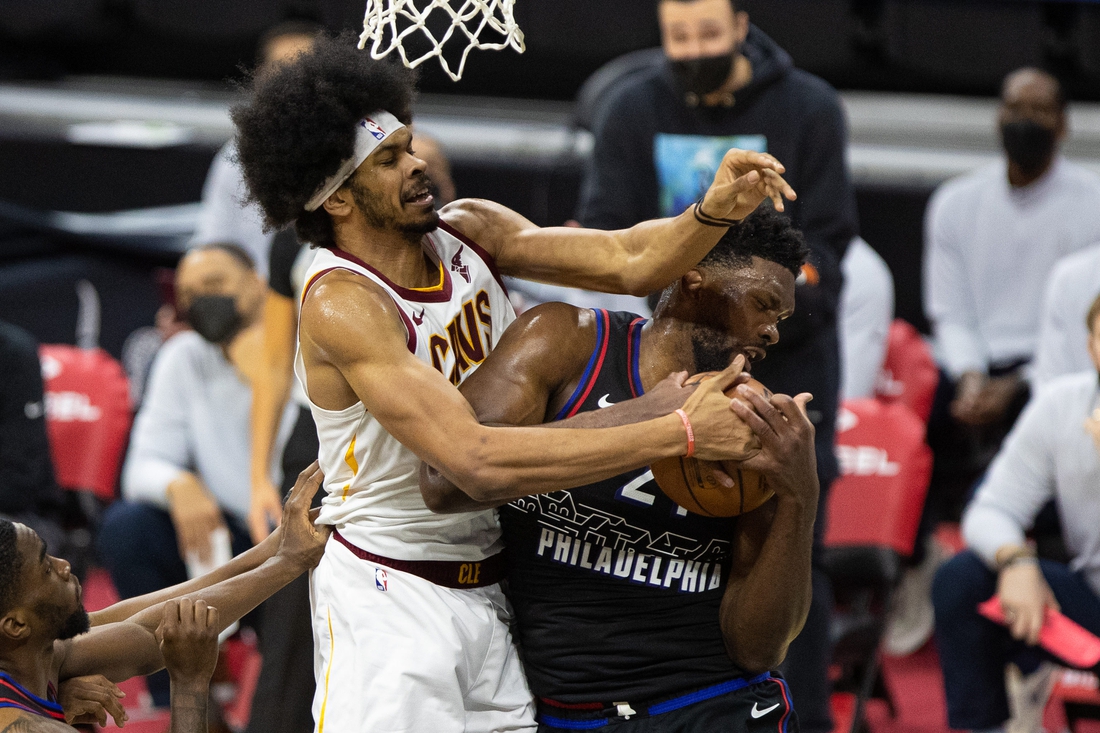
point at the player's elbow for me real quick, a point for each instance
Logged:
(478, 479)
(755, 661)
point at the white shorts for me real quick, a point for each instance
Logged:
(395, 652)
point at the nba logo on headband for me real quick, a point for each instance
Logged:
(369, 134)
(373, 128)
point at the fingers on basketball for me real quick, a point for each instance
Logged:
(692, 485)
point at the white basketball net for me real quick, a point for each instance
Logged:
(387, 23)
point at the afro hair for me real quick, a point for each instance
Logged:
(297, 125)
(764, 233)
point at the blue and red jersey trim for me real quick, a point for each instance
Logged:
(14, 695)
(633, 351)
(592, 369)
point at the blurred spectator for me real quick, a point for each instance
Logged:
(866, 312)
(28, 492)
(185, 480)
(225, 217)
(1063, 325)
(286, 681)
(659, 139)
(992, 237)
(1053, 452)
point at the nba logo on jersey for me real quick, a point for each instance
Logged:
(381, 579)
(373, 128)
(457, 266)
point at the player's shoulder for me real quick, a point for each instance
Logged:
(482, 221)
(342, 304)
(472, 217)
(342, 291)
(548, 318)
(551, 332)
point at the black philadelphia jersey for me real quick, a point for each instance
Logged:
(616, 589)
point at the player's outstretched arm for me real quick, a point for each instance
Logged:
(353, 340)
(119, 651)
(248, 560)
(639, 260)
(767, 596)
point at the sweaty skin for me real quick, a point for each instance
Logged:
(540, 361)
(353, 342)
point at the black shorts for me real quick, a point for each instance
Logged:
(761, 704)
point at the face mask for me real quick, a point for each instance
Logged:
(703, 75)
(215, 317)
(1028, 144)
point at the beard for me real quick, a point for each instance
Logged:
(75, 624)
(712, 349)
(379, 218)
(66, 627)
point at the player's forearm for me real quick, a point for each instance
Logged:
(190, 700)
(660, 251)
(764, 611)
(243, 563)
(501, 464)
(236, 596)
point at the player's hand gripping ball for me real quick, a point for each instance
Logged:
(691, 483)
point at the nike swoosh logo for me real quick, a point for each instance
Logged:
(756, 713)
(602, 402)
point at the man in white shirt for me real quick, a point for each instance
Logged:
(1053, 452)
(992, 237)
(225, 217)
(186, 476)
(865, 314)
(1063, 328)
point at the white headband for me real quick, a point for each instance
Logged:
(369, 134)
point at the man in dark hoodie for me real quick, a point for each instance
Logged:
(662, 131)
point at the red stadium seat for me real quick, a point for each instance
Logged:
(1079, 693)
(88, 416)
(885, 467)
(909, 374)
(873, 514)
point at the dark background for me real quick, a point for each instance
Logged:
(942, 46)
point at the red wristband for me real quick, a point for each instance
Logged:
(691, 433)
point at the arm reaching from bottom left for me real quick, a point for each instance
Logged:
(122, 650)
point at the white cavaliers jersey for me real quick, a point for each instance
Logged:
(371, 479)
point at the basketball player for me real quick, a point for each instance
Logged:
(627, 606)
(44, 629)
(402, 304)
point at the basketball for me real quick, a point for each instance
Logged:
(690, 482)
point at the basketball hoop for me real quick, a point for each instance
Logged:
(382, 21)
